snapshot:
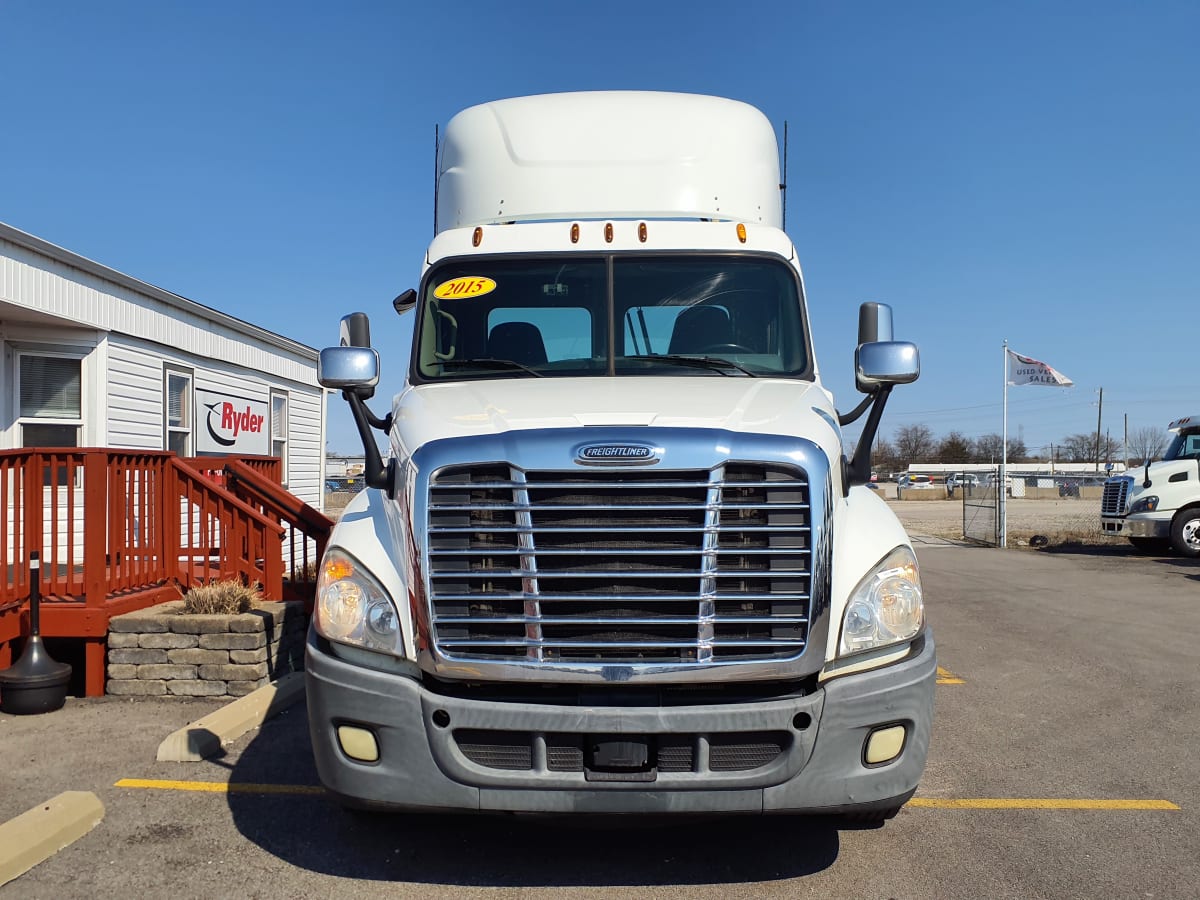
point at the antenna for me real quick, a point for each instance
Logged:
(436, 147)
(783, 186)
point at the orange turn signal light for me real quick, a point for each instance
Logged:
(741, 232)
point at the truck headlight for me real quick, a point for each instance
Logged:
(1145, 504)
(353, 608)
(886, 607)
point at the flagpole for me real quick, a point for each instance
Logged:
(1003, 487)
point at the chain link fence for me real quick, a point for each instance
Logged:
(1041, 509)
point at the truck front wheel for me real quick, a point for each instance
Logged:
(1185, 532)
(871, 819)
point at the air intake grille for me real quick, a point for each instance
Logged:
(672, 753)
(1116, 491)
(620, 567)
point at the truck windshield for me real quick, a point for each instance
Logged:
(1184, 445)
(714, 316)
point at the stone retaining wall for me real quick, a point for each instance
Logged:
(162, 651)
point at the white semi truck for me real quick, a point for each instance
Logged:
(616, 560)
(1158, 506)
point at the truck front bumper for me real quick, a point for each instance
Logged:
(1139, 526)
(437, 753)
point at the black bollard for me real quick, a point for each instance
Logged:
(35, 683)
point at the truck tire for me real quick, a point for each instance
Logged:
(1185, 532)
(870, 819)
(1150, 544)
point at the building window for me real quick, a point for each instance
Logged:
(177, 411)
(50, 400)
(279, 429)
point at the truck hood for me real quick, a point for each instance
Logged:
(753, 405)
(1161, 472)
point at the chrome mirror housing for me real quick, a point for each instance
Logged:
(885, 362)
(348, 368)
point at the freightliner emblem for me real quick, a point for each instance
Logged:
(616, 455)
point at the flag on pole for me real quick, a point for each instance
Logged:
(1026, 370)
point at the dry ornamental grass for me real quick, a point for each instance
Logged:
(222, 598)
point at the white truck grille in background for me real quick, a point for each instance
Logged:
(1116, 492)
(620, 567)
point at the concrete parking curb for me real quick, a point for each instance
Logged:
(205, 737)
(41, 832)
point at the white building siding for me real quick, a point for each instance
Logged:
(86, 299)
(306, 455)
(126, 333)
(135, 400)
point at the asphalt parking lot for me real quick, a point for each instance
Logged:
(1065, 746)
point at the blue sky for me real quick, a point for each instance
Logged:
(1022, 170)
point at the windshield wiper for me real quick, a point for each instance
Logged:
(489, 363)
(716, 363)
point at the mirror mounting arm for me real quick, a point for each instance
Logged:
(859, 468)
(852, 416)
(375, 473)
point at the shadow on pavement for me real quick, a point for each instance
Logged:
(314, 833)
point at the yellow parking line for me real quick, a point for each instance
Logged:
(944, 677)
(220, 787)
(1035, 803)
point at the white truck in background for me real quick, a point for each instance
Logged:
(1158, 505)
(616, 560)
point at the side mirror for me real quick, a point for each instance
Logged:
(874, 323)
(349, 369)
(884, 363)
(405, 302)
(355, 330)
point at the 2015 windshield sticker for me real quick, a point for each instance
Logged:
(463, 287)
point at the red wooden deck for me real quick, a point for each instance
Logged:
(121, 530)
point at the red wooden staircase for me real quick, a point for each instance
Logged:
(121, 530)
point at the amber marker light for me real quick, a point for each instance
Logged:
(741, 230)
(608, 232)
(575, 233)
(642, 232)
(477, 237)
(337, 568)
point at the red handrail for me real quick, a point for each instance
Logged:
(306, 529)
(118, 530)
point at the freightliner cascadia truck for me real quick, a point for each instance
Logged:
(614, 558)
(1157, 507)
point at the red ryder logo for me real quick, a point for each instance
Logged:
(231, 421)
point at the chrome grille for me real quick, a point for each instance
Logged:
(1116, 492)
(620, 567)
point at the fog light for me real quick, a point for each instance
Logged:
(884, 745)
(358, 743)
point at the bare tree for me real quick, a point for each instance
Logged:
(1077, 448)
(884, 456)
(1081, 448)
(1146, 443)
(986, 448)
(954, 448)
(914, 443)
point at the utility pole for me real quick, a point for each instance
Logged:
(1099, 417)
(1125, 443)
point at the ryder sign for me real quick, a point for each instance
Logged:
(230, 424)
